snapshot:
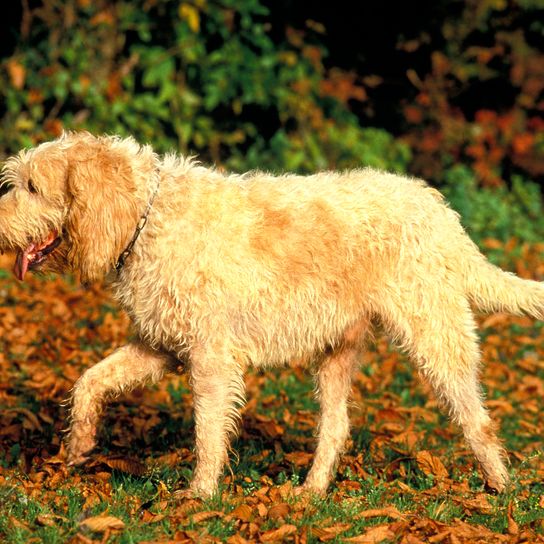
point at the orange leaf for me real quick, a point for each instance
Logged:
(236, 539)
(430, 464)
(17, 74)
(328, 533)
(100, 524)
(276, 535)
(243, 512)
(374, 535)
(103, 17)
(299, 458)
(203, 516)
(150, 517)
(522, 143)
(388, 511)
(278, 511)
(130, 466)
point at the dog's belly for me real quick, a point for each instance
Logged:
(267, 329)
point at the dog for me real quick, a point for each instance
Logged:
(227, 271)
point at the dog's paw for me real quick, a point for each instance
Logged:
(76, 461)
(78, 452)
(306, 492)
(495, 486)
(497, 482)
(192, 493)
(184, 494)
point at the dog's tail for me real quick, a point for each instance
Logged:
(491, 289)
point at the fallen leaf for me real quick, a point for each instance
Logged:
(388, 511)
(277, 535)
(236, 539)
(130, 466)
(243, 512)
(329, 533)
(100, 524)
(374, 535)
(299, 458)
(513, 527)
(279, 511)
(202, 516)
(150, 517)
(430, 464)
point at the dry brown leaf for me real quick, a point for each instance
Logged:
(202, 516)
(388, 511)
(277, 535)
(130, 466)
(430, 464)
(279, 510)
(513, 527)
(299, 458)
(18, 524)
(495, 320)
(480, 503)
(411, 539)
(262, 509)
(243, 512)
(236, 539)
(49, 520)
(100, 524)
(169, 459)
(328, 533)
(150, 517)
(374, 535)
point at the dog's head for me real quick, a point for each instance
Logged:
(73, 203)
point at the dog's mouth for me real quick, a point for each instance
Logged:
(35, 254)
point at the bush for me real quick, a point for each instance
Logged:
(201, 77)
(497, 213)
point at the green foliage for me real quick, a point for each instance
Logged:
(201, 77)
(496, 213)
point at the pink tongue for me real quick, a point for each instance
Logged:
(21, 263)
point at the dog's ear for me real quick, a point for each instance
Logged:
(103, 211)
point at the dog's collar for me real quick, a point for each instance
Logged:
(139, 227)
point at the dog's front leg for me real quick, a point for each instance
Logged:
(218, 390)
(126, 368)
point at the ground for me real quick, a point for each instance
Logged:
(407, 476)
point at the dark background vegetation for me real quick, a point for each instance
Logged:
(448, 90)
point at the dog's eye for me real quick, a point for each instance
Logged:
(5, 188)
(31, 187)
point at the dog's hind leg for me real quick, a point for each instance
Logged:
(218, 390)
(333, 380)
(440, 336)
(128, 367)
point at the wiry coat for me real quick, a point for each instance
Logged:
(231, 271)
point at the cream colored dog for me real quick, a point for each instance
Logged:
(226, 271)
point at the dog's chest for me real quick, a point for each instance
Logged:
(161, 317)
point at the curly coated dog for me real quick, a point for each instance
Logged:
(226, 271)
